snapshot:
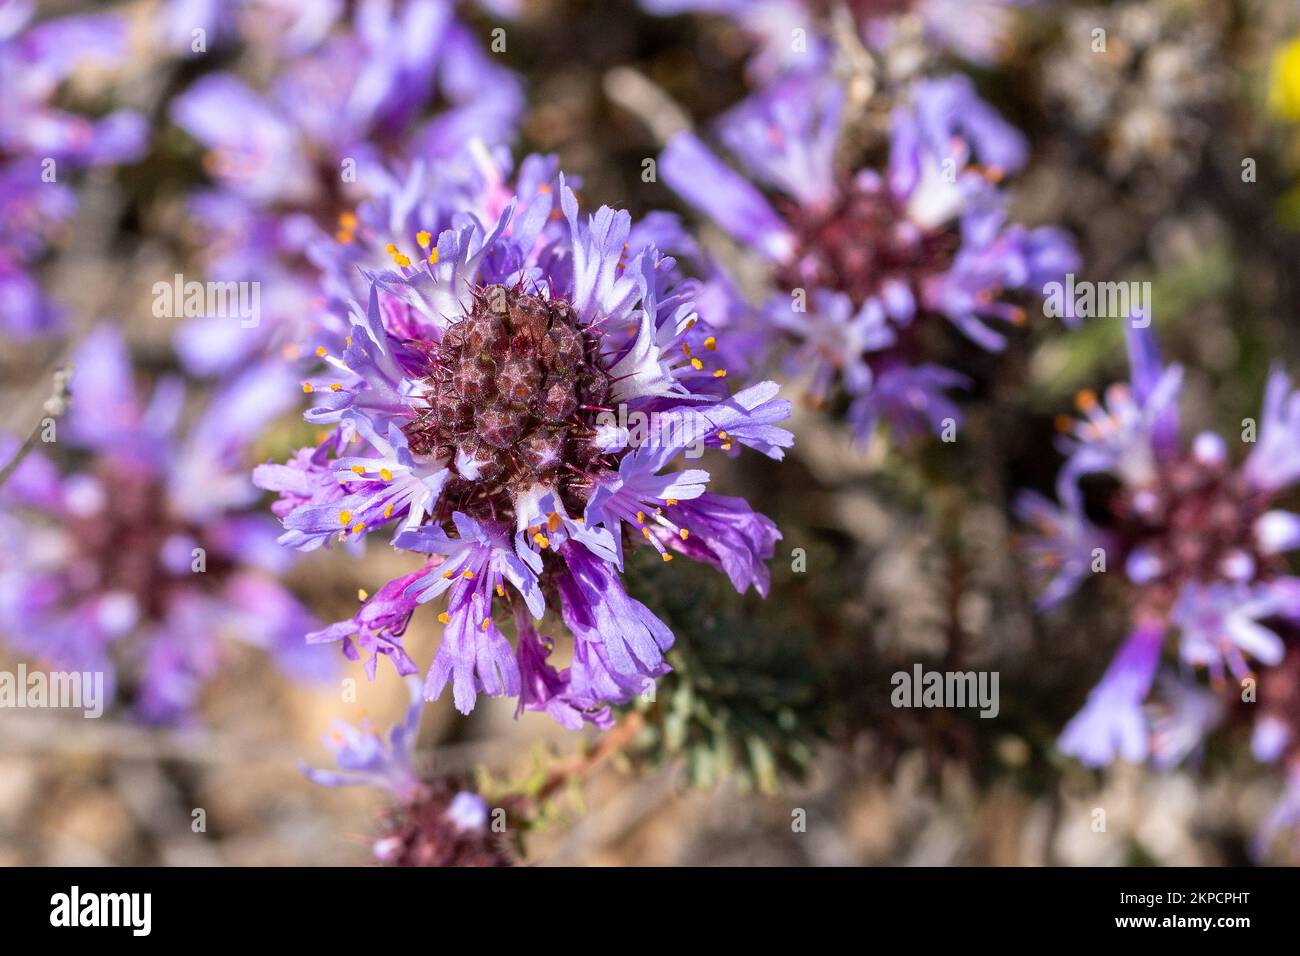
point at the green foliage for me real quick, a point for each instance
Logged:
(741, 701)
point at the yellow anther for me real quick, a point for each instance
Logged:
(646, 532)
(722, 435)
(344, 237)
(684, 533)
(320, 351)
(348, 220)
(1086, 399)
(359, 469)
(553, 522)
(306, 387)
(345, 518)
(391, 249)
(358, 527)
(362, 595)
(444, 618)
(720, 373)
(401, 260)
(640, 517)
(385, 474)
(484, 625)
(725, 446)
(467, 574)
(501, 592)
(447, 574)
(335, 386)
(670, 501)
(711, 343)
(667, 556)
(686, 347)
(541, 540)
(424, 237)
(433, 256)
(388, 512)
(697, 365)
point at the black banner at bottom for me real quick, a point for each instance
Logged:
(338, 906)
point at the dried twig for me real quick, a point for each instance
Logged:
(53, 407)
(647, 101)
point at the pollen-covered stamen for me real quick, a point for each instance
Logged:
(862, 241)
(652, 525)
(398, 257)
(1104, 421)
(347, 231)
(513, 391)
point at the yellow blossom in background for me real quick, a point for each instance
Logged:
(1284, 82)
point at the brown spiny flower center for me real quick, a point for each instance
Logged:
(859, 243)
(1195, 520)
(122, 546)
(514, 389)
(422, 832)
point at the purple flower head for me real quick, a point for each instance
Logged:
(515, 403)
(859, 258)
(146, 558)
(1201, 545)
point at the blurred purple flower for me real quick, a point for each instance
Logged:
(859, 259)
(139, 563)
(39, 143)
(343, 119)
(1202, 547)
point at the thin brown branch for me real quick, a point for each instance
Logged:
(53, 407)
